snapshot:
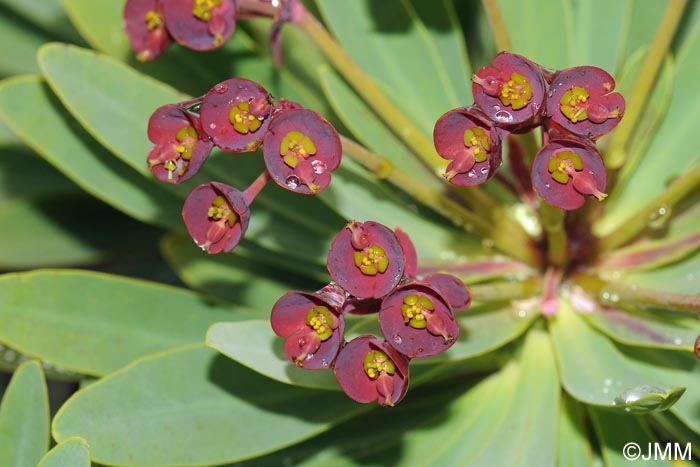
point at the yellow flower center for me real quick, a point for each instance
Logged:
(296, 146)
(242, 119)
(516, 92)
(320, 319)
(202, 8)
(371, 260)
(414, 310)
(573, 104)
(377, 362)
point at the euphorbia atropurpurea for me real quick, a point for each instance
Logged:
(374, 269)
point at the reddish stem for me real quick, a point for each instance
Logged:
(256, 187)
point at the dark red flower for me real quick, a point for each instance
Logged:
(216, 216)
(301, 150)
(236, 113)
(368, 369)
(511, 93)
(366, 260)
(467, 138)
(417, 321)
(200, 24)
(313, 328)
(565, 171)
(451, 288)
(581, 101)
(180, 147)
(145, 28)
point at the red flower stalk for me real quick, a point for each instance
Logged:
(313, 328)
(200, 24)
(368, 369)
(180, 145)
(465, 137)
(511, 93)
(565, 171)
(366, 260)
(145, 28)
(581, 102)
(216, 217)
(301, 150)
(417, 321)
(236, 113)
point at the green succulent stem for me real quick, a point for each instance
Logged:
(506, 290)
(514, 242)
(498, 24)
(631, 295)
(638, 223)
(644, 83)
(552, 220)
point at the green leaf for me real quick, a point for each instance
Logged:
(646, 328)
(624, 439)
(405, 45)
(594, 371)
(253, 344)
(48, 130)
(22, 42)
(95, 323)
(573, 448)
(73, 452)
(509, 418)
(52, 231)
(675, 367)
(234, 277)
(370, 130)
(542, 30)
(99, 22)
(24, 418)
(671, 151)
(22, 174)
(47, 15)
(599, 32)
(191, 407)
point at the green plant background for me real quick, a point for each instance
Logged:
(171, 348)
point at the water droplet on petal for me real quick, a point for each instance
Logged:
(547, 185)
(292, 182)
(319, 167)
(484, 170)
(420, 350)
(503, 116)
(220, 88)
(212, 126)
(397, 339)
(471, 174)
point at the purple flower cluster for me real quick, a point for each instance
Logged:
(152, 25)
(575, 107)
(300, 149)
(373, 270)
